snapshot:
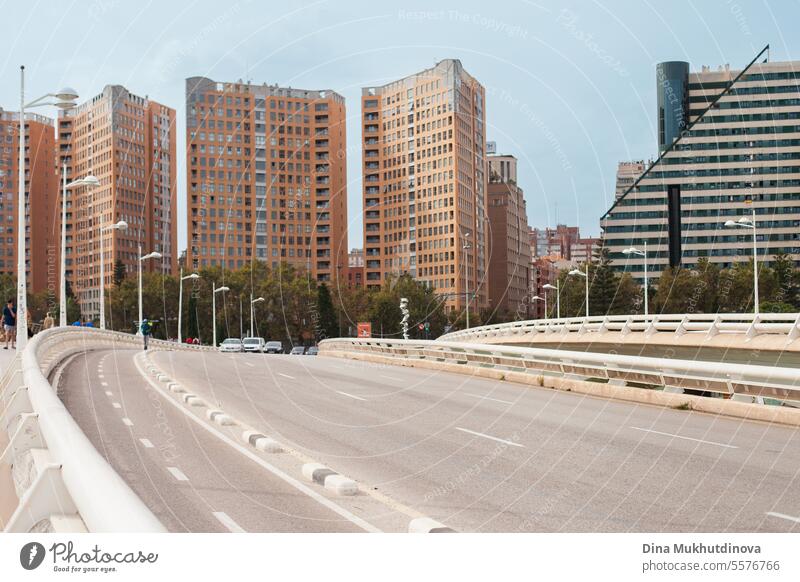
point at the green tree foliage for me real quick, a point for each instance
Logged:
(327, 324)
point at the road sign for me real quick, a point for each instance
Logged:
(364, 329)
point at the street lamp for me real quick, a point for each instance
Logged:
(252, 310)
(215, 290)
(643, 254)
(153, 255)
(64, 99)
(466, 247)
(537, 298)
(193, 276)
(87, 181)
(745, 222)
(121, 225)
(557, 288)
(585, 275)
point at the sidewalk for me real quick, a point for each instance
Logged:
(5, 358)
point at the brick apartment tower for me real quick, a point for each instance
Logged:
(41, 187)
(267, 177)
(425, 182)
(509, 242)
(128, 143)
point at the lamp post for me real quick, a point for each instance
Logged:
(214, 291)
(557, 288)
(537, 298)
(750, 223)
(643, 254)
(252, 310)
(193, 276)
(64, 99)
(121, 225)
(89, 180)
(153, 255)
(466, 247)
(585, 275)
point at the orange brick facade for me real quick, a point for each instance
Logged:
(266, 177)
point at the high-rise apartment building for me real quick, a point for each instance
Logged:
(509, 243)
(266, 174)
(556, 241)
(425, 182)
(41, 188)
(627, 173)
(731, 144)
(128, 143)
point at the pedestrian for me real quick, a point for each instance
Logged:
(49, 321)
(147, 329)
(10, 323)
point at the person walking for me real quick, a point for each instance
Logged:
(49, 321)
(10, 323)
(147, 329)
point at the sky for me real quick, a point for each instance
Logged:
(570, 86)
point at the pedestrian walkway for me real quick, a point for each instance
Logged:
(5, 358)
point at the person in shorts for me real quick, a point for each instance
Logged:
(10, 323)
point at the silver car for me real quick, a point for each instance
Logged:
(231, 345)
(253, 344)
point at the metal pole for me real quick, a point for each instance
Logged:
(646, 312)
(466, 282)
(214, 312)
(62, 317)
(755, 266)
(241, 320)
(545, 304)
(102, 281)
(252, 309)
(139, 323)
(22, 316)
(180, 303)
(587, 290)
(558, 299)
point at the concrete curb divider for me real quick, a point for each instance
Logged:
(261, 442)
(329, 479)
(428, 525)
(219, 417)
(175, 387)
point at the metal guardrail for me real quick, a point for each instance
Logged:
(60, 481)
(711, 324)
(739, 381)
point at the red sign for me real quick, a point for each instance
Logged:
(364, 329)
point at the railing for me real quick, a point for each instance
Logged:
(59, 480)
(738, 381)
(711, 324)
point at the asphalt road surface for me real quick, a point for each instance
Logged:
(475, 454)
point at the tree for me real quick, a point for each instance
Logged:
(119, 272)
(327, 324)
(786, 281)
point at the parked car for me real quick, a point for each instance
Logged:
(312, 351)
(273, 347)
(231, 345)
(253, 344)
(297, 351)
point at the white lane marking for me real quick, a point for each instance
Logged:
(349, 395)
(488, 398)
(177, 473)
(486, 436)
(784, 516)
(391, 378)
(116, 405)
(103, 383)
(252, 365)
(146, 442)
(302, 487)
(108, 393)
(101, 376)
(286, 376)
(226, 520)
(677, 436)
(127, 421)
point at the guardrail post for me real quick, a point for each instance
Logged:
(46, 496)
(714, 327)
(651, 329)
(751, 331)
(794, 333)
(681, 329)
(626, 327)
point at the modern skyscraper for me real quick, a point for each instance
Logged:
(128, 143)
(266, 174)
(509, 243)
(738, 151)
(425, 182)
(41, 187)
